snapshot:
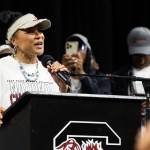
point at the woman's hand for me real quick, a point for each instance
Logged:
(55, 67)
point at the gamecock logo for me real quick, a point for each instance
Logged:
(85, 135)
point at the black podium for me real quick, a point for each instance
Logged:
(71, 121)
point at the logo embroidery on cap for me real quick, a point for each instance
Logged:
(139, 41)
(35, 19)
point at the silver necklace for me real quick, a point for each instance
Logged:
(32, 77)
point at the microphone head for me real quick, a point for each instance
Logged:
(48, 60)
(45, 59)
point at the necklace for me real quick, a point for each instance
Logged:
(32, 77)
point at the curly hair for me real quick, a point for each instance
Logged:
(7, 17)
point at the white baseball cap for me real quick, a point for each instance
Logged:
(139, 41)
(5, 46)
(27, 21)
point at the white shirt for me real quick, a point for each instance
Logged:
(138, 85)
(13, 84)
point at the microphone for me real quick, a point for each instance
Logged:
(49, 60)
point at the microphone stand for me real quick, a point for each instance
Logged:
(132, 78)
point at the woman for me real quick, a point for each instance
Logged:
(22, 71)
(83, 63)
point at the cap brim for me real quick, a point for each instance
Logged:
(42, 23)
(145, 50)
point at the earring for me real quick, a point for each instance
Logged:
(15, 48)
(14, 53)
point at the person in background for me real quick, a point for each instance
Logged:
(83, 62)
(5, 50)
(138, 41)
(23, 71)
(5, 16)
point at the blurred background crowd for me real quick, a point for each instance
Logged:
(106, 23)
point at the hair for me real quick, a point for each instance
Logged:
(7, 18)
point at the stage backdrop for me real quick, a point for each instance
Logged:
(106, 23)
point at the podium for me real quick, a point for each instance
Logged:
(73, 121)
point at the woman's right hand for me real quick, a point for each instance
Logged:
(2, 109)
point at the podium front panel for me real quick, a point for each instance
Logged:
(60, 122)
